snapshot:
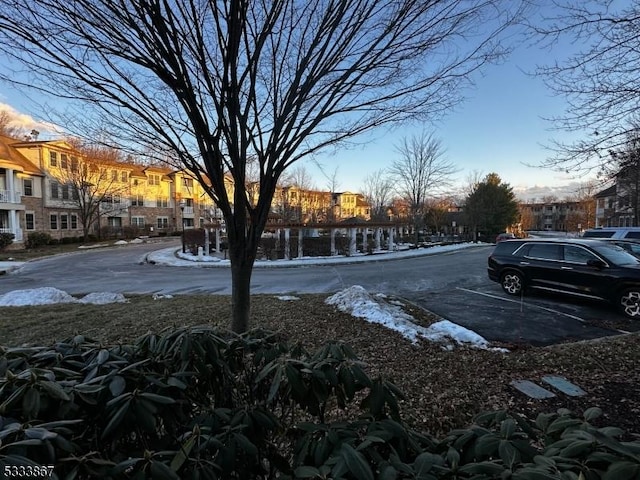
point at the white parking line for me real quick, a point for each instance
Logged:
(520, 302)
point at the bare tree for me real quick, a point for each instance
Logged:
(600, 81)
(421, 170)
(299, 177)
(92, 184)
(215, 83)
(378, 191)
(6, 127)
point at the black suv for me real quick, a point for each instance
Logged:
(581, 267)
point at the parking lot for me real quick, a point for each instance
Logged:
(535, 319)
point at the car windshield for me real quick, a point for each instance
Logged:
(617, 255)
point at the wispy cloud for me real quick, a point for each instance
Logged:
(27, 122)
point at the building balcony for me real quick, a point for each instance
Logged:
(10, 196)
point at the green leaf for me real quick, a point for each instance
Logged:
(592, 413)
(306, 472)
(577, 448)
(160, 471)
(245, 444)
(622, 471)
(18, 392)
(117, 385)
(39, 433)
(275, 384)
(144, 416)
(616, 446)
(453, 457)
(116, 419)
(507, 428)
(176, 382)
(491, 469)
(425, 462)
(356, 463)
(508, 453)
(88, 389)
(388, 472)
(103, 356)
(155, 398)
(182, 454)
(31, 403)
(55, 390)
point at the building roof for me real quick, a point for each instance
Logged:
(12, 158)
(607, 192)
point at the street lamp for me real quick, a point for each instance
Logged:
(182, 205)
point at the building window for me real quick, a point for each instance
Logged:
(163, 222)
(65, 192)
(53, 159)
(74, 164)
(188, 222)
(114, 221)
(74, 221)
(154, 180)
(162, 202)
(114, 175)
(30, 221)
(124, 177)
(187, 182)
(64, 221)
(137, 222)
(64, 161)
(27, 186)
(137, 201)
(55, 189)
(53, 221)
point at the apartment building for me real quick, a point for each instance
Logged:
(48, 186)
(296, 205)
(563, 216)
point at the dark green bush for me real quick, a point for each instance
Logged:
(6, 239)
(38, 239)
(199, 403)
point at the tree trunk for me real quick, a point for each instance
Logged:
(242, 254)
(240, 294)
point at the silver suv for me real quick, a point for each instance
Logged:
(615, 233)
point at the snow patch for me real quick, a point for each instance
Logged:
(52, 296)
(287, 298)
(103, 298)
(160, 296)
(358, 302)
(35, 296)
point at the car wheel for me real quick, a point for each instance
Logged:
(629, 303)
(512, 283)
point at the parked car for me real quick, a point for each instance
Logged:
(504, 236)
(631, 246)
(586, 268)
(617, 233)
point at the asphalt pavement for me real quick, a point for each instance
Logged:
(453, 285)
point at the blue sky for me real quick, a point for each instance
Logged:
(499, 128)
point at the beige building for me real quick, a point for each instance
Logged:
(48, 186)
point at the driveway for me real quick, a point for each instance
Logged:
(536, 319)
(454, 285)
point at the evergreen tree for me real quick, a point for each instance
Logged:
(491, 206)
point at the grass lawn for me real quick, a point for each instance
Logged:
(444, 389)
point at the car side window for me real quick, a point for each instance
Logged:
(576, 254)
(545, 251)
